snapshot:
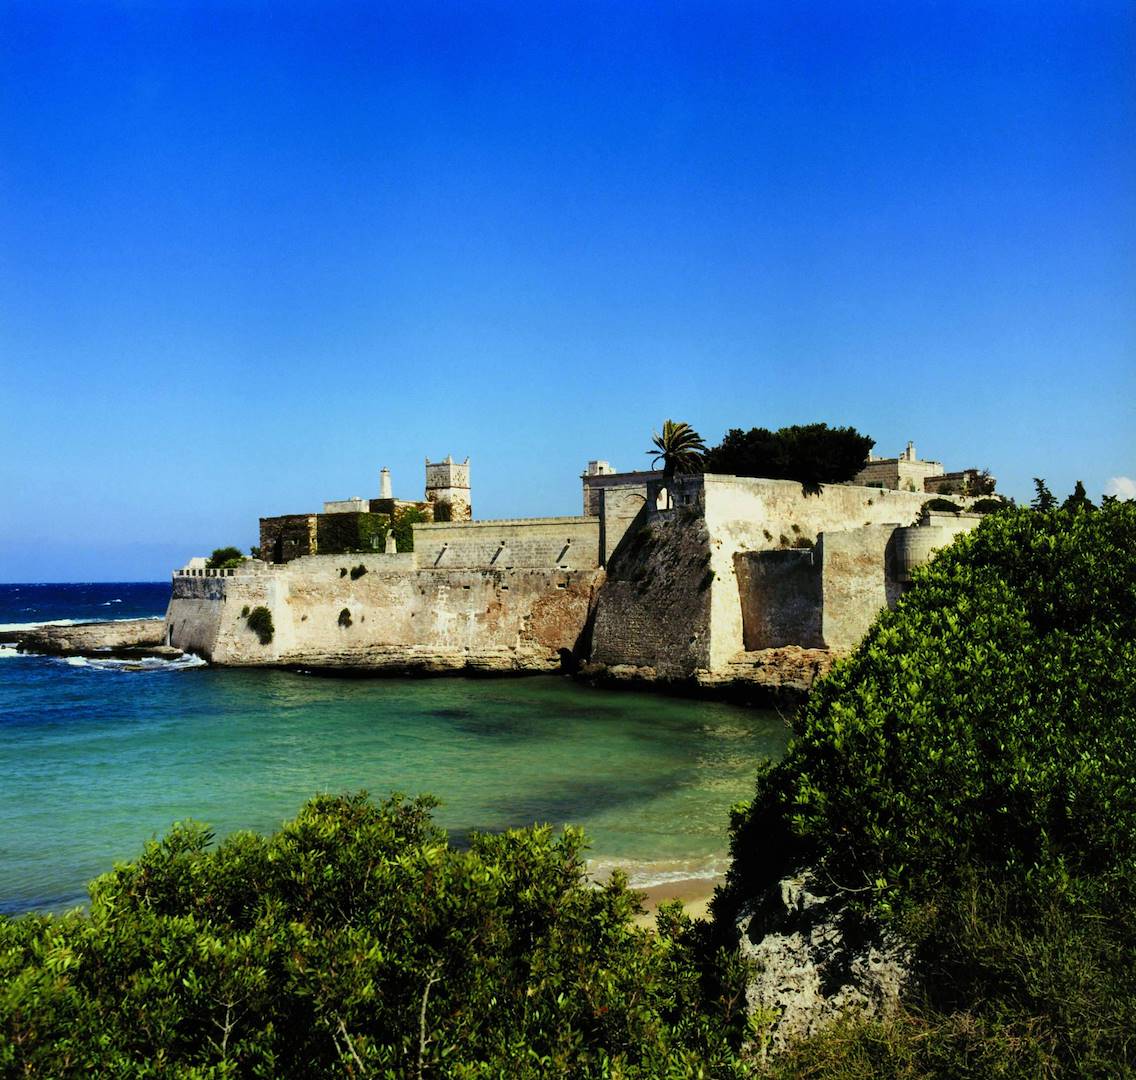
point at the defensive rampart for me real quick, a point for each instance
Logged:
(393, 615)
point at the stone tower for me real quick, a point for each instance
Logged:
(447, 489)
(385, 483)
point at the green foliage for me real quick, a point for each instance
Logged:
(245, 612)
(1043, 498)
(988, 506)
(1078, 500)
(356, 942)
(345, 617)
(942, 506)
(968, 774)
(226, 558)
(404, 521)
(812, 454)
(357, 572)
(344, 534)
(260, 623)
(678, 448)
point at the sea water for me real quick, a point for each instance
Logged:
(95, 758)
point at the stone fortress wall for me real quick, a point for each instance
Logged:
(678, 583)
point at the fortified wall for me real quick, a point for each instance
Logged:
(694, 582)
(723, 566)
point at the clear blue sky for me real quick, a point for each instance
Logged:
(250, 253)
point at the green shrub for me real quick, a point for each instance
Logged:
(942, 506)
(357, 572)
(357, 942)
(988, 506)
(226, 558)
(968, 774)
(260, 623)
(345, 617)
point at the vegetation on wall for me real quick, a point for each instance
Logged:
(812, 454)
(345, 617)
(344, 534)
(225, 558)
(357, 572)
(967, 775)
(260, 623)
(404, 521)
(357, 942)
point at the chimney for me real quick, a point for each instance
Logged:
(385, 483)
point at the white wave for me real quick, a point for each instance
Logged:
(8, 650)
(76, 622)
(645, 874)
(33, 625)
(107, 603)
(145, 663)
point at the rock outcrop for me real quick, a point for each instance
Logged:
(815, 959)
(124, 638)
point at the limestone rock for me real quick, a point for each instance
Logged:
(814, 960)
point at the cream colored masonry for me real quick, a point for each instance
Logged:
(514, 595)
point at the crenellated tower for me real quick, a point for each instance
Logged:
(447, 489)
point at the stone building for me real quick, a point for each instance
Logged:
(360, 525)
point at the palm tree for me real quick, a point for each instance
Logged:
(679, 448)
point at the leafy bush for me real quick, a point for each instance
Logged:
(357, 572)
(942, 506)
(357, 942)
(968, 774)
(260, 623)
(226, 558)
(345, 617)
(812, 454)
(988, 506)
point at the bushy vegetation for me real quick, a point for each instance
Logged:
(812, 454)
(969, 776)
(260, 623)
(942, 506)
(356, 942)
(225, 558)
(341, 534)
(403, 528)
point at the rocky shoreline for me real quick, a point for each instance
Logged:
(125, 639)
(780, 677)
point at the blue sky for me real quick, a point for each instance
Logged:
(250, 253)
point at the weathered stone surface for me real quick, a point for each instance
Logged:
(136, 637)
(815, 960)
(780, 677)
(401, 617)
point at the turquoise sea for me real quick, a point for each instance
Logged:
(96, 759)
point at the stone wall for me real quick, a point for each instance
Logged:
(288, 536)
(395, 616)
(857, 570)
(653, 611)
(748, 514)
(781, 598)
(560, 543)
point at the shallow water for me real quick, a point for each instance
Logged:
(97, 758)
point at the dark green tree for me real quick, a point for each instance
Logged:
(1079, 500)
(811, 454)
(1043, 499)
